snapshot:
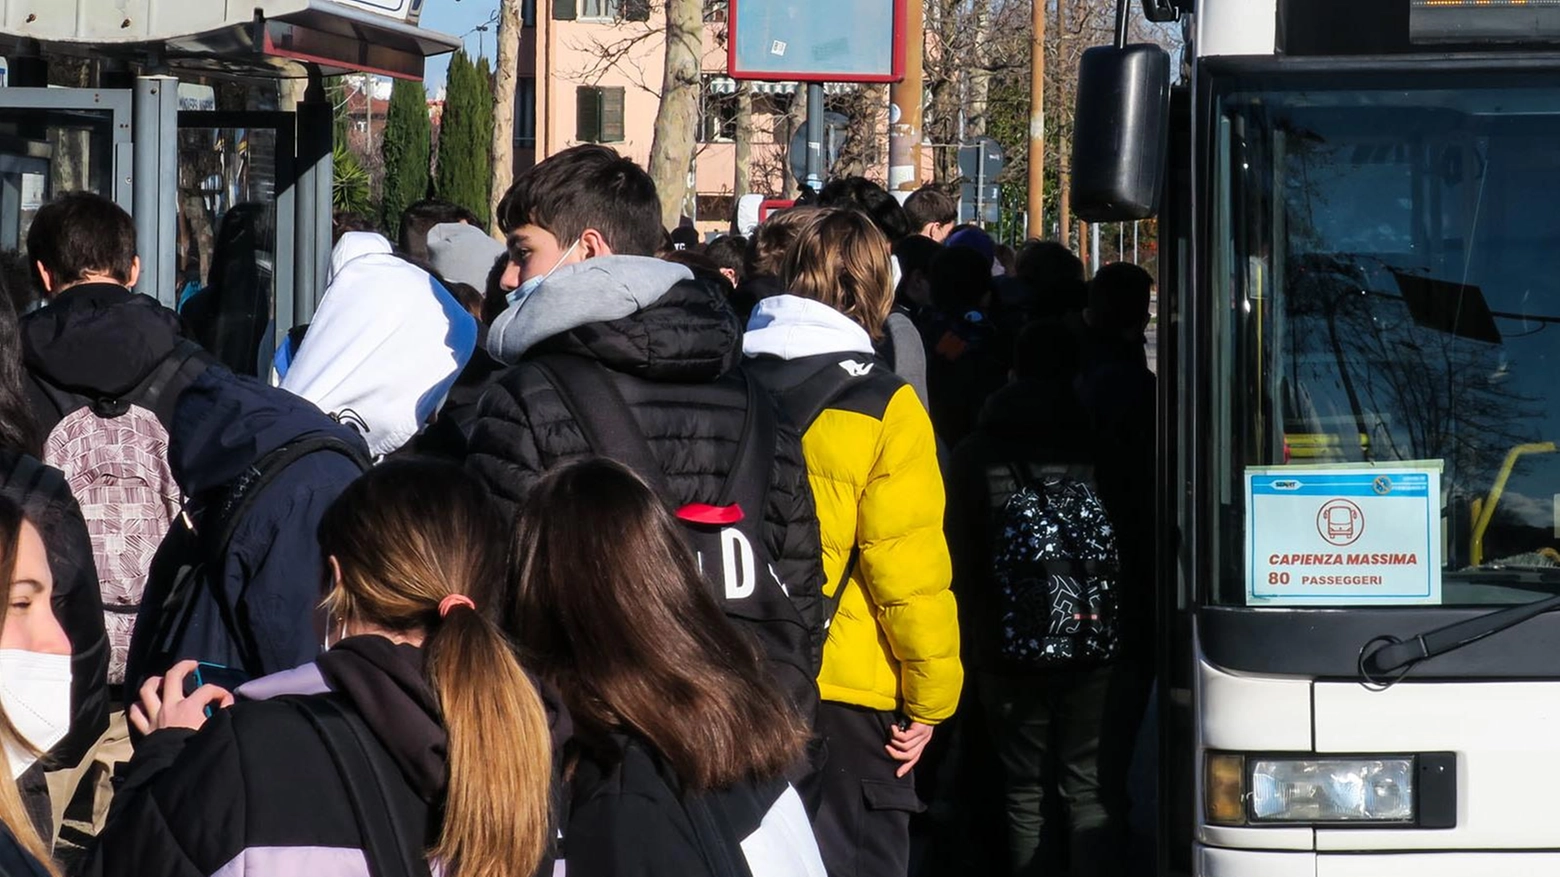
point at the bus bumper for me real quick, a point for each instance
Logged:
(1216, 862)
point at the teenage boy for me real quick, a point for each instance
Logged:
(932, 212)
(582, 227)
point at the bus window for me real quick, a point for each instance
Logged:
(1390, 292)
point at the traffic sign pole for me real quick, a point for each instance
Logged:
(815, 135)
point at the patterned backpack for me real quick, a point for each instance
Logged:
(114, 453)
(1055, 569)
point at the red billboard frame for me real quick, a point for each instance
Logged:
(897, 73)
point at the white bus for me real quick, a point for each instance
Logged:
(1360, 398)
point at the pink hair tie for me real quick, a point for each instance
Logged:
(454, 600)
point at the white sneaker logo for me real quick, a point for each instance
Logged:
(856, 369)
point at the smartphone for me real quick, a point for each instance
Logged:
(213, 674)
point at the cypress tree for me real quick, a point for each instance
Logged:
(466, 136)
(406, 151)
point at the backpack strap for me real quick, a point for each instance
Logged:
(602, 414)
(747, 481)
(240, 497)
(803, 403)
(360, 760)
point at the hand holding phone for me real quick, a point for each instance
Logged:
(171, 701)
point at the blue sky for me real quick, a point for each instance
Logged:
(457, 18)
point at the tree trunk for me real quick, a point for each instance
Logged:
(979, 73)
(672, 150)
(504, 104)
(742, 184)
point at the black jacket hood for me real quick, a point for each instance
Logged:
(689, 335)
(98, 338)
(388, 685)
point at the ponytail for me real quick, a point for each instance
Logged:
(405, 568)
(496, 817)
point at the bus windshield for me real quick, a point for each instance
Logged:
(1383, 261)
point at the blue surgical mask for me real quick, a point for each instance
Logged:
(524, 290)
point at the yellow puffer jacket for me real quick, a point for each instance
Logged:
(872, 461)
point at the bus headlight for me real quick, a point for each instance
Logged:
(1332, 789)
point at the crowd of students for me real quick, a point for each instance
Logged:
(596, 551)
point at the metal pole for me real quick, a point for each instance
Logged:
(1135, 241)
(980, 185)
(154, 195)
(905, 100)
(1094, 248)
(1037, 121)
(815, 135)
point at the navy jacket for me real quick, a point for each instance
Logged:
(273, 574)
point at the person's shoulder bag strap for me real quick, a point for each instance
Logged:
(240, 497)
(390, 845)
(602, 414)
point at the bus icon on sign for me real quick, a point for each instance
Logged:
(1340, 522)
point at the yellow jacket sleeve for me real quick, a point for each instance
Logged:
(904, 561)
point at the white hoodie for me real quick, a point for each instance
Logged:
(385, 345)
(791, 327)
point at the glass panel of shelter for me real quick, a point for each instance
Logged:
(235, 273)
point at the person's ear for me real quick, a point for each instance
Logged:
(44, 277)
(335, 572)
(135, 272)
(593, 244)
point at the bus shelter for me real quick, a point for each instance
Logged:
(232, 207)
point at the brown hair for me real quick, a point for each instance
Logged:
(842, 260)
(767, 247)
(408, 534)
(12, 813)
(613, 610)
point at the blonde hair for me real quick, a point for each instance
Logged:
(407, 535)
(12, 813)
(843, 260)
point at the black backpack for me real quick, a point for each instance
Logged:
(1055, 568)
(190, 563)
(731, 549)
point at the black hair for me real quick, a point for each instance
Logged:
(587, 187)
(1055, 274)
(729, 251)
(1119, 297)
(421, 216)
(82, 233)
(862, 194)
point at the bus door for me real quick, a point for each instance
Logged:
(235, 242)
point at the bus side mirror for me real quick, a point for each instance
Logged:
(1120, 132)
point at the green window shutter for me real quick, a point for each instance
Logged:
(565, 10)
(587, 114)
(611, 115)
(636, 10)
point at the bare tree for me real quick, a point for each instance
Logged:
(504, 84)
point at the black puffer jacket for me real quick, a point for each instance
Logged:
(256, 791)
(683, 344)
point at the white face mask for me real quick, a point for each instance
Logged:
(35, 694)
(524, 290)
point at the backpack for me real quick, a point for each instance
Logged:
(114, 453)
(1055, 569)
(724, 531)
(191, 563)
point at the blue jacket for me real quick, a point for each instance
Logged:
(273, 574)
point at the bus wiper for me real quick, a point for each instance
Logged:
(1387, 659)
